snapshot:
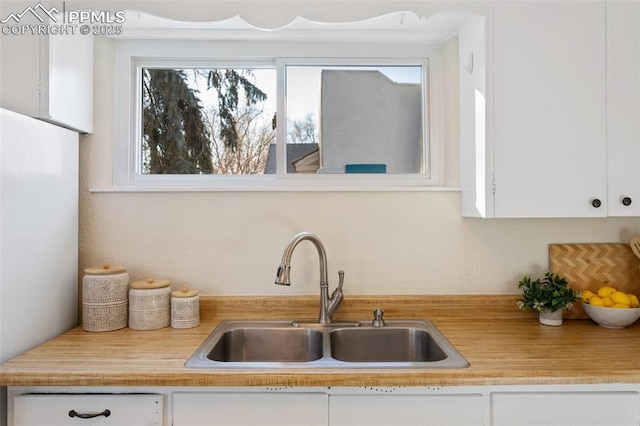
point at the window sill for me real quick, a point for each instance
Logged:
(355, 182)
(289, 188)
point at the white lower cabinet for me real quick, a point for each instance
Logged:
(86, 409)
(249, 409)
(565, 408)
(512, 405)
(389, 410)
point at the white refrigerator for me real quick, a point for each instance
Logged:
(38, 233)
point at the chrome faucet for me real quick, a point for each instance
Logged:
(328, 305)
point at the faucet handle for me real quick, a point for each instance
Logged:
(377, 318)
(336, 297)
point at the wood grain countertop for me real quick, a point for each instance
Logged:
(503, 345)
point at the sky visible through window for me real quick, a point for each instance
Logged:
(265, 80)
(303, 85)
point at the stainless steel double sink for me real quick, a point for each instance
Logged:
(286, 345)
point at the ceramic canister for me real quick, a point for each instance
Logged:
(149, 304)
(104, 298)
(185, 308)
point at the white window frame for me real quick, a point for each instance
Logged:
(133, 54)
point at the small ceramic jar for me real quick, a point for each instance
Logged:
(149, 304)
(104, 298)
(185, 308)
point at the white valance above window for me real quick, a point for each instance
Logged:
(266, 14)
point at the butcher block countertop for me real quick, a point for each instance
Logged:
(503, 345)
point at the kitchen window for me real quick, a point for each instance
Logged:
(290, 113)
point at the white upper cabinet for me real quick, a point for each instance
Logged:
(49, 77)
(623, 107)
(543, 152)
(549, 123)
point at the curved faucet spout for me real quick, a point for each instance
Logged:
(282, 275)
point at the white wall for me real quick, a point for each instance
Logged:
(392, 110)
(388, 243)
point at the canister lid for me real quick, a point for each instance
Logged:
(150, 283)
(105, 269)
(184, 292)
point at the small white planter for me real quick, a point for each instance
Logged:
(551, 318)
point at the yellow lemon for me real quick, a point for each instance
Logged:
(586, 295)
(608, 302)
(634, 301)
(621, 298)
(596, 301)
(606, 291)
(620, 306)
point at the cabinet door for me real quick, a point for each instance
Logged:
(49, 77)
(567, 409)
(61, 410)
(623, 107)
(406, 410)
(249, 409)
(66, 67)
(549, 130)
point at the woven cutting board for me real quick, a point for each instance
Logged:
(590, 266)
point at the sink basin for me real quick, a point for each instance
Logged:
(272, 344)
(289, 345)
(386, 344)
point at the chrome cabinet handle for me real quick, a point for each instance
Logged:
(73, 413)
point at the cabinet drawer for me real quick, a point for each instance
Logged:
(567, 409)
(385, 410)
(54, 410)
(249, 409)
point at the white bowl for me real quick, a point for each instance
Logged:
(612, 317)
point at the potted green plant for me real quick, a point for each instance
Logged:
(549, 296)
